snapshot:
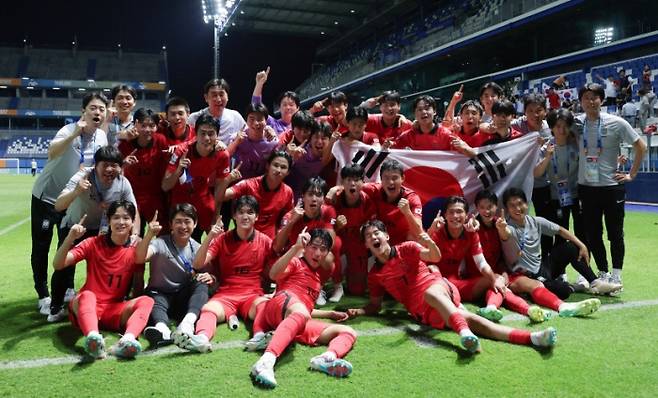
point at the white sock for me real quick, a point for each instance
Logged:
(128, 336)
(189, 318)
(92, 331)
(268, 359)
(535, 337)
(466, 332)
(492, 307)
(616, 272)
(258, 335)
(164, 329)
(329, 356)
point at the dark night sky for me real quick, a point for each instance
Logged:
(178, 24)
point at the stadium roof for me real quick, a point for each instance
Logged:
(331, 21)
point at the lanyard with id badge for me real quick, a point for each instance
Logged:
(564, 195)
(591, 161)
(186, 263)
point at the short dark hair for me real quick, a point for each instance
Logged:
(256, 108)
(389, 96)
(454, 200)
(291, 95)
(142, 114)
(337, 97)
(126, 204)
(391, 165)
(123, 87)
(108, 153)
(559, 114)
(302, 120)
(316, 185)
(177, 101)
(353, 170)
(371, 223)
(513, 192)
(492, 85)
(486, 194)
(206, 119)
(246, 201)
(356, 113)
(426, 98)
(534, 99)
(219, 83)
(323, 235)
(505, 107)
(322, 128)
(187, 209)
(92, 96)
(280, 154)
(596, 88)
(472, 104)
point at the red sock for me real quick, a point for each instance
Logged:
(516, 303)
(518, 336)
(259, 319)
(87, 317)
(494, 298)
(286, 331)
(342, 344)
(546, 298)
(457, 322)
(142, 307)
(207, 324)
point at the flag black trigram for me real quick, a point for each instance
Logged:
(489, 167)
(364, 159)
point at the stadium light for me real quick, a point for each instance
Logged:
(603, 36)
(219, 12)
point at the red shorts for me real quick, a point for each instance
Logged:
(465, 286)
(312, 332)
(109, 315)
(431, 317)
(236, 303)
(275, 309)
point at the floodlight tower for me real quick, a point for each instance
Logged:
(219, 12)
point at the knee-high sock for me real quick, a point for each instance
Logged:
(285, 333)
(546, 298)
(516, 303)
(259, 318)
(494, 298)
(140, 316)
(207, 324)
(342, 344)
(457, 322)
(87, 316)
(518, 336)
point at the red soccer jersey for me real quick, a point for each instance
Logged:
(482, 139)
(376, 125)
(389, 213)
(286, 138)
(491, 248)
(110, 268)
(196, 188)
(404, 276)
(301, 280)
(171, 139)
(467, 138)
(240, 263)
(438, 139)
(325, 220)
(455, 251)
(361, 212)
(369, 138)
(146, 176)
(341, 128)
(274, 204)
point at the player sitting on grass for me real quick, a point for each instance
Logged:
(289, 312)
(521, 236)
(178, 291)
(401, 271)
(111, 266)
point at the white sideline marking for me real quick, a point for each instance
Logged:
(224, 345)
(14, 226)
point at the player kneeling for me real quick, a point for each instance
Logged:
(289, 311)
(401, 271)
(110, 269)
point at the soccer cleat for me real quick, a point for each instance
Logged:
(44, 306)
(57, 316)
(471, 343)
(601, 286)
(616, 280)
(492, 314)
(537, 314)
(337, 294)
(547, 338)
(95, 345)
(126, 348)
(336, 368)
(604, 275)
(581, 285)
(69, 295)
(580, 308)
(258, 343)
(322, 298)
(155, 337)
(263, 375)
(192, 342)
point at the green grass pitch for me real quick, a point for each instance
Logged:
(611, 354)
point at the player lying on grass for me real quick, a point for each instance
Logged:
(239, 257)
(458, 247)
(289, 312)
(178, 291)
(111, 268)
(401, 271)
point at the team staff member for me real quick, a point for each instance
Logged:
(120, 121)
(215, 93)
